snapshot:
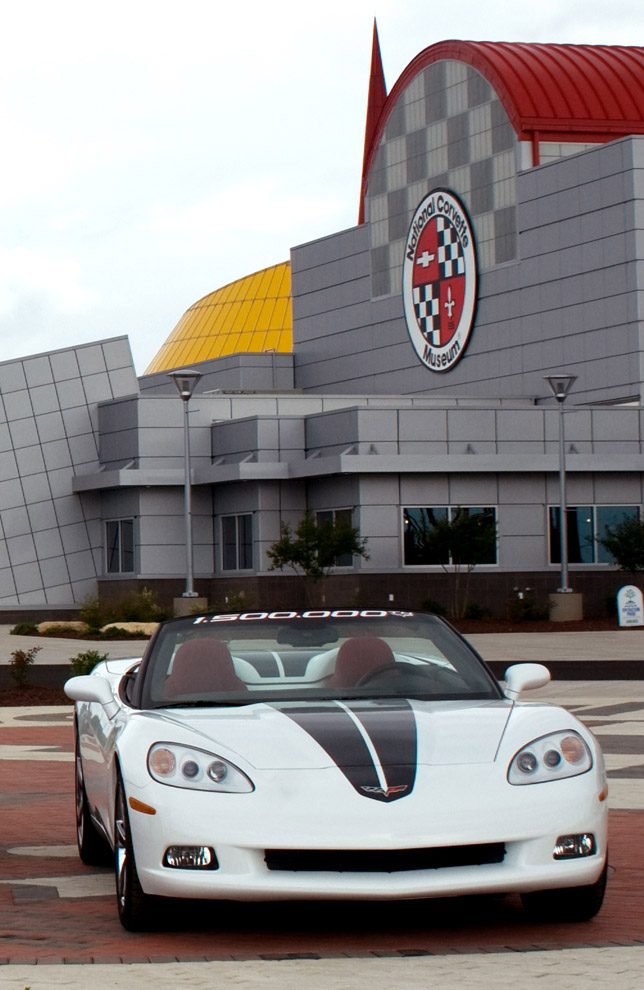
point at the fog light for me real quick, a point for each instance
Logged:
(575, 846)
(190, 858)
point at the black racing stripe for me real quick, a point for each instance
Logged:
(391, 728)
(334, 731)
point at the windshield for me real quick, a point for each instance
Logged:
(311, 655)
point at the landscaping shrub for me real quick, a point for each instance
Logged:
(110, 620)
(95, 612)
(235, 601)
(431, 605)
(140, 606)
(129, 630)
(476, 611)
(66, 629)
(24, 629)
(527, 610)
(84, 663)
(20, 664)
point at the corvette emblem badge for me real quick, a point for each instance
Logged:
(385, 791)
(439, 280)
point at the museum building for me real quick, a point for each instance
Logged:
(393, 373)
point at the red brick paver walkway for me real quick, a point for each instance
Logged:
(40, 922)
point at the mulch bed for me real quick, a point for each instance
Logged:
(32, 695)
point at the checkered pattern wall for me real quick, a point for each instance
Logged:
(448, 129)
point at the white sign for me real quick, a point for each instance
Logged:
(630, 608)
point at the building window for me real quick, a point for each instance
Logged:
(585, 525)
(332, 516)
(119, 542)
(418, 527)
(237, 542)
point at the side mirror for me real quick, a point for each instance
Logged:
(524, 677)
(93, 689)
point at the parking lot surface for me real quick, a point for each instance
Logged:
(55, 911)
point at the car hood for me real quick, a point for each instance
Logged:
(315, 735)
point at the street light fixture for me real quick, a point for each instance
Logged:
(560, 386)
(186, 382)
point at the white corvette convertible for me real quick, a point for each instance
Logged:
(347, 753)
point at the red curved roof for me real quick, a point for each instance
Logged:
(580, 93)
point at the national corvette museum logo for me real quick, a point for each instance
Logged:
(439, 280)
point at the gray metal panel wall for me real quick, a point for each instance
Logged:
(51, 539)
(235, 372)
(571, 300)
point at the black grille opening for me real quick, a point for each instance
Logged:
(382, 860)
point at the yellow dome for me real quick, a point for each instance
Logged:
(250, 315)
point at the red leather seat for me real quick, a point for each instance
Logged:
(202, 666)
(358, 657)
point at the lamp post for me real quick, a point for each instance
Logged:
(560, 386)
(186, 382)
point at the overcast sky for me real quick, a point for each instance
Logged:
(154, 151)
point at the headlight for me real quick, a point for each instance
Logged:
(552, 757)
(185, 766)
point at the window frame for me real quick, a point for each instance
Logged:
(242, 544)
(552, 533)
(449, 511)
(123, 548)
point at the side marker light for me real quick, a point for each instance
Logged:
(145, 809)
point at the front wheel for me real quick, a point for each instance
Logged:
(567, 903)
(93, 847)
(134, 905)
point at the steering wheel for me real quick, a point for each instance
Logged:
(399, 669)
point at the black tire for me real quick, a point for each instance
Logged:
(93, 847)
(567, 903)
(135, 907)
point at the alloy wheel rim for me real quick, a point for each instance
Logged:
(121, 851)
(80, 796)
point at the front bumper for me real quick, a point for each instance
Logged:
(457, 806)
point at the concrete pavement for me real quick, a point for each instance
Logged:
(55, 651)
(572, 969)
(548, 647)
